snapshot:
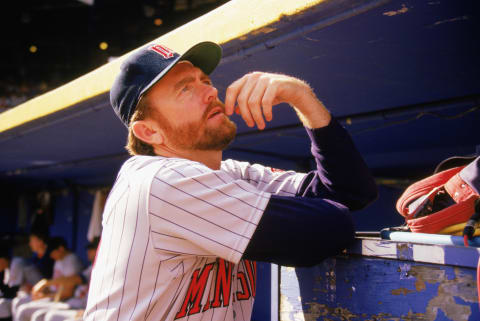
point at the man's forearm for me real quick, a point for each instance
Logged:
(297, 231)
(341, 173)
(311, 111)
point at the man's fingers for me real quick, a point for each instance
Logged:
(255, 101)
(256, 93)
(231, 95)
(244, 97)
(268, 101)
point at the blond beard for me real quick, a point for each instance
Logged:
(198, 136)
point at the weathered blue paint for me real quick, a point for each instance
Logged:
(261, 309)
(384, 280)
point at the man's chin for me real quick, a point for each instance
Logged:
(218, 137)
(230, 131)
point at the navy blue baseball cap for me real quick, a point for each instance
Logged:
(141, 70)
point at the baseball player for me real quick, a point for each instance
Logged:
(182, 229)
(67, 264)
(18, 275)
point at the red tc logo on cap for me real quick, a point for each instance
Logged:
(162, 50)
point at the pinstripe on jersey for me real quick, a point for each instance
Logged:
(174, 232)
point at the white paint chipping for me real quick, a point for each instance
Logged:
(430, 254)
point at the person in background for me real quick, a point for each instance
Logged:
(18, 274)
(75, 286)
(39, 244)
(66, 264)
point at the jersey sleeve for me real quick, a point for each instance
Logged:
(340, 175)
(274, 181)
(194, 210)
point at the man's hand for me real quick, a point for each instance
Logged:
(257, 92)
(39, 289)
(66, 283)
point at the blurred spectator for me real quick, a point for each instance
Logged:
(38, 242)
(19, 274)
(14, 95)
(67, 264)
(72, 308)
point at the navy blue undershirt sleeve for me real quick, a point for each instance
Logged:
(316, 224)
(298, 231)
(341, 174)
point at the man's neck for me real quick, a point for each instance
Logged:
(63, 255)
(41, 252)
(210, 158)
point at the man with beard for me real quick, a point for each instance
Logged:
(182, 229)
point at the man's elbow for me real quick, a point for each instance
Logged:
(364, 198)
(371, 195)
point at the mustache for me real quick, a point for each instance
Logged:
(212, 105)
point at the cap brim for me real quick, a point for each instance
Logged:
(204, 55)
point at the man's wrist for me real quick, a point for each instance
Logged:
(311, 111)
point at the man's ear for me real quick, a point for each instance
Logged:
(148, 132)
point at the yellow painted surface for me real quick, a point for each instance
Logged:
(457, 229)
(230, 21)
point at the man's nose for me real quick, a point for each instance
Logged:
(210, 94)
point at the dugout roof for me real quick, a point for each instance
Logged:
(403, 78)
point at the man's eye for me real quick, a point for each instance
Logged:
(186, 88)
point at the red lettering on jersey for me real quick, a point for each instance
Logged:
(162, 50)
(223, 284)
(207, 304)
(251, 267)
(276, 170)
(245, 293)
(195, 292)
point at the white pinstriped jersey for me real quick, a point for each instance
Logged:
(174, 232)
